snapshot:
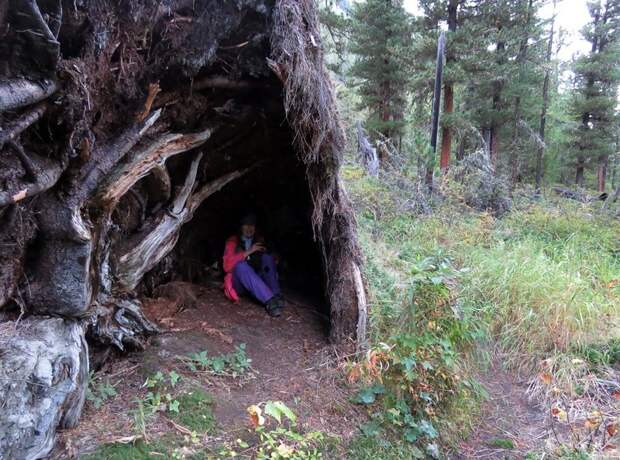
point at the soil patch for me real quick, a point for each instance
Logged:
(290, 358)
(510, 425)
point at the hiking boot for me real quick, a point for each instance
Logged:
(273, 307)
(280, 299)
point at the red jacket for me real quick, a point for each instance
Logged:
(233, 254)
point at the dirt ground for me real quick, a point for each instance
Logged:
(512, 426)
(507, 416)
(291, 362)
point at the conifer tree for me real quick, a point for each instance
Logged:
(380, 37)
(597, 76)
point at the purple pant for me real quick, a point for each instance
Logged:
(263, 285)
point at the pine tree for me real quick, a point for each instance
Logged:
(380, 36)
(596, 82)
(503, 67)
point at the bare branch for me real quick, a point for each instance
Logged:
(144, 161)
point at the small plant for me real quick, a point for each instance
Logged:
(414, 372)
(284, 441)
(159, 398)
(234, 364)
(98, 391)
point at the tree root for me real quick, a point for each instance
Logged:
(20, 92)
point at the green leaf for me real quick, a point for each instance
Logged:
(174, 378)
(277, 409)
(173, 406)
(411, 434)
(365, 396)
(288, 413)
(371, 429)
(428, 429)
(272, 409)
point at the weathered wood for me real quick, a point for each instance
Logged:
(119, 321)
(46, 173)
(367, 152)
(16, 232)
(146, 160)
(17, 126)
(104, 159)
(143, 252)
(63, 280)
(43, 380)
(20, 92)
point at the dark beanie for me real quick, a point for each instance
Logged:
(249, 219)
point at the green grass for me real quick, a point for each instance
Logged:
(130, 451)
(502, 443)
(541, 282)
(372, 448)
(195, 410)
(543, 279)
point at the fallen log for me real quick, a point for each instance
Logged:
(43, 380)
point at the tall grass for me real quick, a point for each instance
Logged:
(543, 279)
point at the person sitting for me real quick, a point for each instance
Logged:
(250, 269)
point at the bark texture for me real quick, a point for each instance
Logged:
(43, 380)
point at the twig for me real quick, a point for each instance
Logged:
(179, 428)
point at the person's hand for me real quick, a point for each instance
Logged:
(256, 247)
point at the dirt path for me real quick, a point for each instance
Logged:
(291, 362)
(510, 426)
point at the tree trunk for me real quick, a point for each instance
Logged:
(543, 113)
(602, 172)
(579, 179)
(446, 133)
(448, 102)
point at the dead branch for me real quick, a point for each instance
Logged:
(103, 159)
(154, 90)
(150, 247)
(145, 160)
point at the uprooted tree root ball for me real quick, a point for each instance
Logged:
(123, 121)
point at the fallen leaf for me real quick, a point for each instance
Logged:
(612, 429)
(612, 284)
(545, 378)
(354, 374)
(256, 417)
(285, 451)
(559, 414)
(616, 394)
